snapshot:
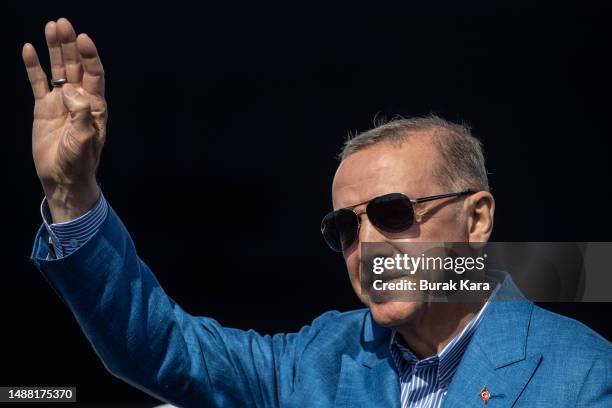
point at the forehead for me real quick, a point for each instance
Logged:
(386, 168)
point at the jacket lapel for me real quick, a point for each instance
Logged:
(369, 378)
(363, 386)
(476, 372)
(497, 355)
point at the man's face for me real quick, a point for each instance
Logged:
(387, 168)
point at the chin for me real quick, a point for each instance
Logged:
(393, 314)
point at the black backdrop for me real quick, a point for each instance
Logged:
(224, 126)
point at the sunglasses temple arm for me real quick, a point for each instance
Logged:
(441, 196)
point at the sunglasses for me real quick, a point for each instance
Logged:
(391, 213)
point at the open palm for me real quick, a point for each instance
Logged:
(69, 125)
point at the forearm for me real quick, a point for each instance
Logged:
(67, 202)
(137, 330)
(145, 338)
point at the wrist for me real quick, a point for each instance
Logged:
(67, 202)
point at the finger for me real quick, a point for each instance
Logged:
(37, 76)
(79, 109)
(93, 77)
(55, 51)
(70, 54)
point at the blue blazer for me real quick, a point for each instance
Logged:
(524, 355)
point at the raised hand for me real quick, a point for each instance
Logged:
(69, 127)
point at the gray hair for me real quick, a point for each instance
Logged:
(463, 163)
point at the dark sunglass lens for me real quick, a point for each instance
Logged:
(339, 229)
(391, 212)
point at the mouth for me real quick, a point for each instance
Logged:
(395, 287)
(385, 295)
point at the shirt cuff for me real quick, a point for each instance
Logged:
(67, 237)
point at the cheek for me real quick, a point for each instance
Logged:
(353, 265)
(451, 229)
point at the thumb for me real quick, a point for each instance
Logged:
(78, 107)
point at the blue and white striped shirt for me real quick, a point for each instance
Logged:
(67, 237)
(424, 383)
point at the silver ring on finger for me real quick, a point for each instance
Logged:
(57, 83)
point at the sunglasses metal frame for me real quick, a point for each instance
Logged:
(414, 202)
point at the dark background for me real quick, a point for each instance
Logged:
(224, 126)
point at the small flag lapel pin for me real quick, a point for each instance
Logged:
(485, 395)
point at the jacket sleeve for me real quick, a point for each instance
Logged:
(146, 339)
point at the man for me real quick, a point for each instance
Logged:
(409, 353)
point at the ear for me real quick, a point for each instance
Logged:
(479, 209)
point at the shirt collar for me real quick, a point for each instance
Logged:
(447, 360)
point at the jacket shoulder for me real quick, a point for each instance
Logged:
(335, 323)
(557, 333)
(332, 331)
